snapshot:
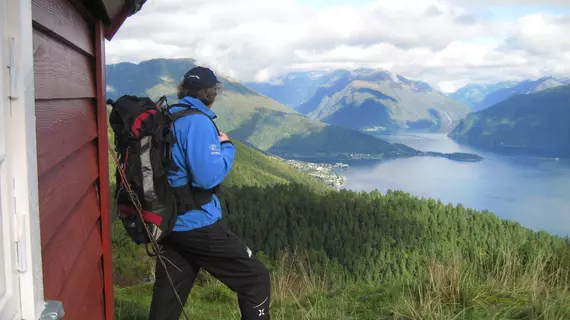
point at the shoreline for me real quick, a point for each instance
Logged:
(322, 171)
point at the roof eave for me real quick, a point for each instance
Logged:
(130, 8)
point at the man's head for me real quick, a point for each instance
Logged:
(200, 83)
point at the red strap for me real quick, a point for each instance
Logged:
(147, 215)
(138, 121)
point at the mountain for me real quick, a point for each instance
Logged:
(535, 123)
(293, 88)
(473, 93)
(523, 87)
(372, 100)
(249, 116)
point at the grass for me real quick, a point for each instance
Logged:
(456, 289)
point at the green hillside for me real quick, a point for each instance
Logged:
(355, 255)
(527, 123)
(248, 115)
(255, 169)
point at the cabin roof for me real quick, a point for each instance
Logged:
(113, 13)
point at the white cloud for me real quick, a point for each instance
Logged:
(438, 41)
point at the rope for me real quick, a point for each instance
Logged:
(155, 245)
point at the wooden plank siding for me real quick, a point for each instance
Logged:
(65, 126)
(62, 187)
(74, 206)
(59, 263)
(62, 21)
(61, 72)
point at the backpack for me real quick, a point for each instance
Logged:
(143, 142)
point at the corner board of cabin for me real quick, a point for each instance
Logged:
(57, 254)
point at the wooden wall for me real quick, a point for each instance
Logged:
(74, 249)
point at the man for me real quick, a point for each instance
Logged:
(199, 240)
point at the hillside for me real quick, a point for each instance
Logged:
(344, 254)
(255, 169)
(355, 255)
(534, 123)
(523, 87)
(473, 93)
(371, 100)
(249, 116)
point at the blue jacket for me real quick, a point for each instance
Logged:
(198, 147)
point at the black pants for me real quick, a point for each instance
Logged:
(222, 254)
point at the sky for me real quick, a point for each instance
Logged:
(447, 43)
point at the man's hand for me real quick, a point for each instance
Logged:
(223, 137)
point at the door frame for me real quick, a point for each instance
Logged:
(22, 150)
(10, 305)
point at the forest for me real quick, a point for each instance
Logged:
(365, 255)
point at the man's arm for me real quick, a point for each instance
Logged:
(209, 161)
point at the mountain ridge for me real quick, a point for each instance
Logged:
(249, 116)
(473, 93)
(361, 93)
(534, 123)
(482, 96)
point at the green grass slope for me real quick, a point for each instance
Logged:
(351, 255)
(248, 115)
(534, 123)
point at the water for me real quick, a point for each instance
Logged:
(532, 191)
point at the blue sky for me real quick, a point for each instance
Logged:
(504, 13)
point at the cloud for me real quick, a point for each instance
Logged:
(437, 41)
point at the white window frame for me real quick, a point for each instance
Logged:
(18, 70)
(9, 280)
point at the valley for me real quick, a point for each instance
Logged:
(283, 131)
(360, 189)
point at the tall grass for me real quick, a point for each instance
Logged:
(507, 286)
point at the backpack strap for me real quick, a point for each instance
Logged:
(189, 197)
(187, 111)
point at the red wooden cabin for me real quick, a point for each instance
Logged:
(54, 183)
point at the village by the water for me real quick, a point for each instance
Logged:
(322, 171)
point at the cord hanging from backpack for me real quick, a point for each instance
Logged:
(153, 242)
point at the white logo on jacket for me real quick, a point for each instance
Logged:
(214, 149)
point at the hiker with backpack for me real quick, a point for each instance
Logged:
(184, 213)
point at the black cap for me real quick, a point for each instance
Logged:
(200, 78)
